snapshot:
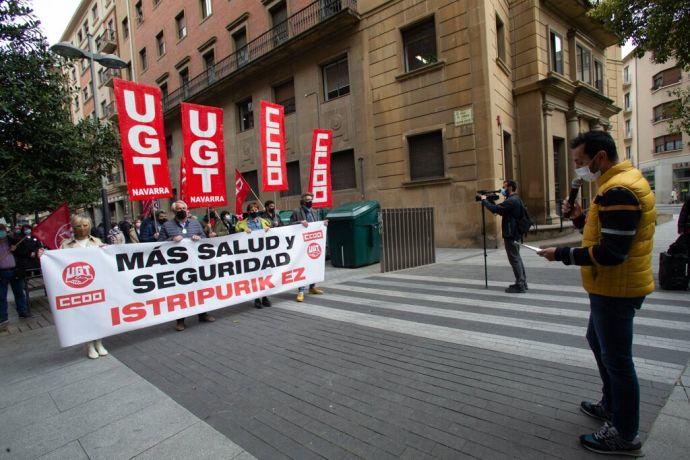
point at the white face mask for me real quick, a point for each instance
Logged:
(586, 174)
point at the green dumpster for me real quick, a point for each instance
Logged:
(354, 239)
(285, 216)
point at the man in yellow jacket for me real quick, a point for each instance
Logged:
(616, 261)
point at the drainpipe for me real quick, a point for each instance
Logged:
(361, 176)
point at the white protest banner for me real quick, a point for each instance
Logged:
(97, 292)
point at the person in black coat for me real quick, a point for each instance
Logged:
(25, 250)
(682, 244)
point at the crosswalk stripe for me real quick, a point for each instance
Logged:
(647, 369)
(548, 287)
(490, 304)
(645, 340)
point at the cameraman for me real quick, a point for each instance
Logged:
(510, 210)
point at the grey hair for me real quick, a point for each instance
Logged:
(172, 207)
(78, 218)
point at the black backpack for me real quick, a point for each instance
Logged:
(524, 222)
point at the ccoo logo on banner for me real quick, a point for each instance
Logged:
(97, 292)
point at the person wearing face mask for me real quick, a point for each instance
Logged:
(254, 222)
(179, 228)
(510, 210)
(271, 215)
(303, 215)
(9, 277)
(25, 251)
(134, 231)
(151, 227)
(616, 267)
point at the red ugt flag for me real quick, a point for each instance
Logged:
(55, 228)
(241, 191)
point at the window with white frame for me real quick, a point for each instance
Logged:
(584, 64)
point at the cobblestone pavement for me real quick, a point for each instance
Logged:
(424, 363)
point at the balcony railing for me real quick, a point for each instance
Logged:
(107, 41)
(109, 111)
(308, 17)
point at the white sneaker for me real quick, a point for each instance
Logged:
(91, 350)
(100, 348)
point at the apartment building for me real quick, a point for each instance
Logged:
(662, 156)
(429, 101)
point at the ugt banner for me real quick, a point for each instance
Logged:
(273, 147)
(204, 156)
(144, 155)
(320, 177)
(97, 292)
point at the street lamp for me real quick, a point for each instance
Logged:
(111, 61)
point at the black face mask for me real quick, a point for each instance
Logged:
(162, 221)
(271, 211)
(253, 214)
(181, 214)
(307, 204)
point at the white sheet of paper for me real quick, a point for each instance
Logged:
(533, 248)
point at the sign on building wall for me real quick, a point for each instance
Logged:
(464, 116)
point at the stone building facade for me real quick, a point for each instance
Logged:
(429, 101)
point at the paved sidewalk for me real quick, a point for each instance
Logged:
(423, 363)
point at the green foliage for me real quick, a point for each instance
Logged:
(45, 159)
(661, 27)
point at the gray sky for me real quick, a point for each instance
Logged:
(54, 16)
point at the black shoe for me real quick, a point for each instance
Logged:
(595, 410)
(515, 289)
(26, 315)
(517, 286)
(608, 441)
(257, 303)
(265, 302)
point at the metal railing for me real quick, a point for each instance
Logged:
(407, 238)
(109, 74)
(107, 41)
(109, 111)
(298, 23)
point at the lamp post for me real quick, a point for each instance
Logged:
(110, 61)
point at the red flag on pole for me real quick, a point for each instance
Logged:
(183, 179)
(55, 228)
(148, 207)
(273, 147)
(320, 185)
(241, 191)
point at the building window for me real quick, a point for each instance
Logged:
(240, 40)
(666, 77)
(86, 28)
(84, 64)
(184, 81)
(336, 80)
(252, 179)
(80, 37)
(285, 96)
(164, 90)
(584, 64)
(169, 146)
(246, 114)
(279, 23)
(103, 104)
(160, 43)
(628, 129)
(206, 8)
(85, 93)
(74, 75)
(125, 28)
(94, 12)
(628, 151)
(294, 179)
(665, 111)
(668, 143)
(209, 66)
(500, 39)
(139, 11)
(649, 175)
(76, 102)
(181, 25)
(143, 60)
(626, 100)
(426, 156)
(556, 49)
(626, 74)
(156, 2)
(599, 76)
(343, 175)
(420, 45)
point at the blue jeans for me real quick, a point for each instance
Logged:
(8, 277)
(610, 336)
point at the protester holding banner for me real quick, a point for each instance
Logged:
(8, 276)
(81, 225)
(271, 215)
(179, 228)
(254, 222)
(303, 215)
(151, 227)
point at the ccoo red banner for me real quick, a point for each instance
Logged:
(320, 176)
(204, 156)
(143, 141)
(273, 147)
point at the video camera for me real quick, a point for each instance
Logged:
(491, 195)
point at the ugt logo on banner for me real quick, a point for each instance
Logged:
(320, 177)
(273, 147)
(143, 143)
(204, 156)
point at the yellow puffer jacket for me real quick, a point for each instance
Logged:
(632, 278)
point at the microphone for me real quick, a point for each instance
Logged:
(572, 196)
